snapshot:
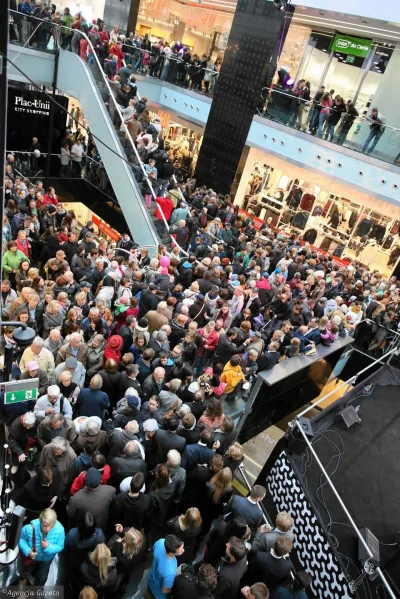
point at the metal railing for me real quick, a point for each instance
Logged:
(348, 130)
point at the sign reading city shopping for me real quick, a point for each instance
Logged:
(18, 391)
(347, 44)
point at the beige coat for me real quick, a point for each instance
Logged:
(44, 359)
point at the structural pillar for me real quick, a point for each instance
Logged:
(256, 36)
(123, 13)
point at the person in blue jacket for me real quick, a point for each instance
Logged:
(50, 538)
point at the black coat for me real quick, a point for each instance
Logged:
(148, 302)
(163, 441)
(226, 349)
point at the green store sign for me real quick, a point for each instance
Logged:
(347, 44)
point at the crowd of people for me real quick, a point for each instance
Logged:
(138, 360)
(129, 453)
(171, 62)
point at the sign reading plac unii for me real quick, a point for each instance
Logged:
(347, 44)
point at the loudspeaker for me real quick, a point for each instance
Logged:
(17, 522)
(294, 440)
(349, 416)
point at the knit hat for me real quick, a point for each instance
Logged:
(71, 362)
(51, 209)
(115, 342)
(32, 365)
(93, 478)
(142, 325)
(123, 300)
(163, 270)
(132, 400)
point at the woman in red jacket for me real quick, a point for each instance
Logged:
(210, 341)
(116, 50)
(113, 349)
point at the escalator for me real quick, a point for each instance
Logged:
(90, 87)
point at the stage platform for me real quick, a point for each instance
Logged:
(363, 465)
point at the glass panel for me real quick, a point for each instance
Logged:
(30, 32)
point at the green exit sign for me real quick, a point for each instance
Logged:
(347, 44)
(17, 396)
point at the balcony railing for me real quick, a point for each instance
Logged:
(346, 128)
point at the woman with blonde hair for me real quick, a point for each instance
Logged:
(53, 318)
(217, 492)
(100, 571)
(128, 546)
(234, 457)
(187, 527)
(49, 540)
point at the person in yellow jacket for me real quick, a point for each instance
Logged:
(232, 375)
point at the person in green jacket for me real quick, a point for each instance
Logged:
(66, 34)
(11, 261)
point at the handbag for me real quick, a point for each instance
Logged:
(28, 560)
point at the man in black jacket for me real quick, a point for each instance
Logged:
(148, 300)
(22, 436)
(200, 452)
(126, 332)
(187, 585)
(226, 347)
(270, 358)
(231, 569)
(164, 440)
(271, 568)
(128, 380)
(128, 464)
(131, 508)
(154, 383)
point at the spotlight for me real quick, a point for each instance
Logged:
(281, 5)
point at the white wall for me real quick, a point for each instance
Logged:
(389, 10)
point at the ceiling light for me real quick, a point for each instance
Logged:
(281, 5)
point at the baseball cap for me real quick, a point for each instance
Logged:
(93, 478)
(84, 284)
(323, 300)
(71, 362)
(200, 297)
(89, 234)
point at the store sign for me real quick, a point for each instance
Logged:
(357, 46)
(36, 106)
(106, 229)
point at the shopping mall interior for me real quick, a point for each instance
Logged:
(233, 167)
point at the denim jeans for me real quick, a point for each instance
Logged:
(314, 120)
(374, 134)
(321, 122)
(330, 131)
(164, 71)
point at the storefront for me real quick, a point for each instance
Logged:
(201, 29)
(354, 61)
(327, 214)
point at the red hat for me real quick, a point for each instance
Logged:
(115, 342)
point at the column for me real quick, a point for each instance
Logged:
(123, 13)
(254, 40)
(178, 31)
